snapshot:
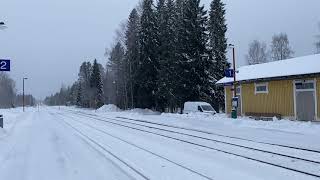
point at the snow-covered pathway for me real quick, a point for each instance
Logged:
(66, 144)
(40, 148)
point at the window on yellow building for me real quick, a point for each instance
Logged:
(261, 88)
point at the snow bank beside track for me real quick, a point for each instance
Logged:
(284, 125)
(11, 117)
(108, 108)
(286, 132)
(204, 121)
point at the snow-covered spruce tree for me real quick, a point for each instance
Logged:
(108, 84)
(72, 96)
(218, 48)
(84, 79)
(148, 66)
(193, 81)
(160, 13)
(179, 6)
(167, 43)
(79, 99)
(97, 85)
(132, 54)
(118, 68)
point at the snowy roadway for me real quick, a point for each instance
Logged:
(69, 144)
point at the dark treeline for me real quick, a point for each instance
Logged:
(168, 52)
(8, 94)
(29, 100)
(86, 92)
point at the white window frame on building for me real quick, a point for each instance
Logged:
(257, 85)
(303, 89)
(238, 90)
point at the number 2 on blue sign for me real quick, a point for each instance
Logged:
(3, 65)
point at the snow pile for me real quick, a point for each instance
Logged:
(109, 108)
(10, 118)
(283, 125)
(143, 111)
(193, 115)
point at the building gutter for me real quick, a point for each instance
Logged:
(292, 77)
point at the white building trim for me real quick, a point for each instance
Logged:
(294, 99)
(240, 94)
(225, 100)
(315, 98)
(295, 90)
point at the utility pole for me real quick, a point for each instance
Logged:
(23, 102)
(234, 72)
(234, 107)
(2, 26)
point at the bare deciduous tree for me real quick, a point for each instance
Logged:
(7, 91)
(257, 53)
(318, 42)
(280, 47)
(318, 47)
(120, 33)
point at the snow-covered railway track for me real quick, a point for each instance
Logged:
(162, 126)
(311, 155)
(292, 163)
(129, 143)
(219, 135)
(87, 138)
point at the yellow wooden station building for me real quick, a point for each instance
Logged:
(287, 89)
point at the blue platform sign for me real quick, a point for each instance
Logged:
(229, 73)
(4, 65)
(228, 84)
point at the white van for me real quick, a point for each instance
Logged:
(198, 107)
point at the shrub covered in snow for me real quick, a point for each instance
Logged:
(109, 108)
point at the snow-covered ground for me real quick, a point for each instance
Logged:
(69, 143)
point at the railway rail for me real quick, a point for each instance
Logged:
(135, 126)
(131, 144)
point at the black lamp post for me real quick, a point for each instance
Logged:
(234, 110)
(23, 102)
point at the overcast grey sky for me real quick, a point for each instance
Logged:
(48, 40)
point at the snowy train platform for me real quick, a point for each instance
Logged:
(70, 143)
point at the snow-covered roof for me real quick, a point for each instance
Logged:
(289, 67)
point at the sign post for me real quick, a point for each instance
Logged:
(5, 65)
(232, 74)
